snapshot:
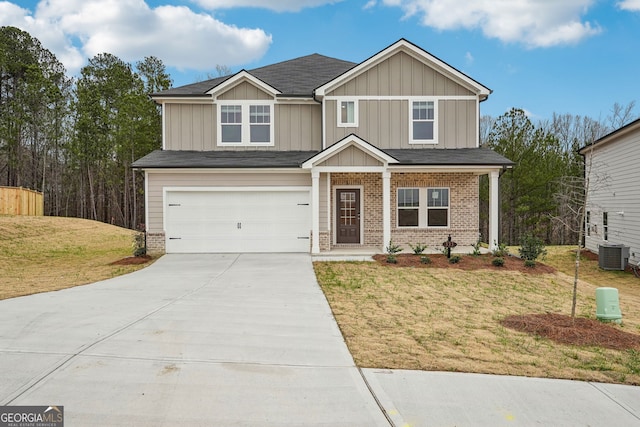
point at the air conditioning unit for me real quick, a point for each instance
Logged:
(613, 257)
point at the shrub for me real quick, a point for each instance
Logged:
(498, 262)
(529, 263)
(418, 248)
(392, 250)
(139, 244)
(500, 251)
(531, 248)
(476, 249)
(425, 259)
(454, 259)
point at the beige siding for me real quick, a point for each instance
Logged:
(298, 127)
(401, 75)
(245, 91)
(159, 180)
(189, 126)
(615, 189)
(385, 124)
(351, 156)
(324, 202)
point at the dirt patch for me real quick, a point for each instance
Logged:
(467, 262)
(579, 331)
(133, 260)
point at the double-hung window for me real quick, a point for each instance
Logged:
(408, 207)
(245, 123)
(423, 207)
(348, 113)
(423, 126)
(437, 207)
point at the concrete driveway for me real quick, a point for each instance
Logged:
(191, 340)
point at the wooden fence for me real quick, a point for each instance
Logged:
(20, 201)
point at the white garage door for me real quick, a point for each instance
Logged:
(237, 221)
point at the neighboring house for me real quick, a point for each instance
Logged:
(613, 202)
(317, 153)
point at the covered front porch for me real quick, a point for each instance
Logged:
(362, 198)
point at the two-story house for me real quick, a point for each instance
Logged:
(317, 153)
(613, 199)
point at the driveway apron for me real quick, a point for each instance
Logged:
(212, 339)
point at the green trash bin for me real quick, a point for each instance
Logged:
(608, 305)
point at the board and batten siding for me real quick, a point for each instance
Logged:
(158, 180)
(401, 75)
(245, 91)
(618, 194)
(298, 127)
(385, 124)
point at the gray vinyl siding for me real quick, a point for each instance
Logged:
(245, 91)
(189, 126)
(298, 127)
(618, 194)
(324, 202)
(159, 180)
(351, 156)
(385, 124)
(401, 75)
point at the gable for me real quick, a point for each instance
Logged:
(403, 69)
(404, 75)
(351, 156)
(244, 91)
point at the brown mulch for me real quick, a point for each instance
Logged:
(133, 260)
(579, 331)
(467, 262)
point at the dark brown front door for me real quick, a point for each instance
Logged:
(348, 216)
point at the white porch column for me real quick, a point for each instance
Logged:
(494, 209)
(315, 211)
(386, 208)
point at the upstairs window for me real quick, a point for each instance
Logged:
(245, 123)
(347, 113)
(423, 122)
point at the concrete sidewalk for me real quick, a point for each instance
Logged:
(417, 398)
(191, 340)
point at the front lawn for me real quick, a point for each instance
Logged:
(449, 319)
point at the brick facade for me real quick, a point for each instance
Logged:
(463, 208)
(155, 243)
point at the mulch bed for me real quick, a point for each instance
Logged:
(133, 260)
(579, 331)
(467, 262)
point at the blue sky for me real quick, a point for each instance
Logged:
(544, 56)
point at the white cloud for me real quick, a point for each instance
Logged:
(534, 23)
(277, 5)
(78, 29)
(469, 58)
(632, 5)
(370, 5)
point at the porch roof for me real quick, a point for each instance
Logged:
(168, 159)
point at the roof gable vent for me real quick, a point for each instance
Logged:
(613, 257)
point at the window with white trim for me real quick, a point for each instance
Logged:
(423, 207)
(408, 207)
(423, 122)
(245, 123)
(347, 113)
(437, 207)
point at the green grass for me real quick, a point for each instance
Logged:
(448, 319)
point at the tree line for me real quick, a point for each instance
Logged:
(74, 139)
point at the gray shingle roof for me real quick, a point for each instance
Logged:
(295, 77)
(223, 159)
(449, 157)
(163, 159)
